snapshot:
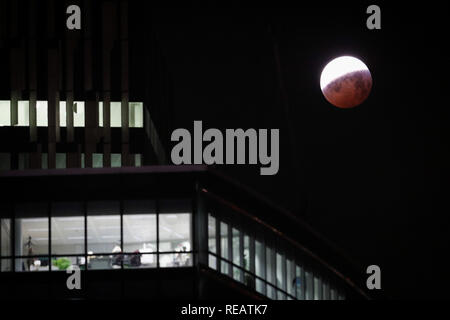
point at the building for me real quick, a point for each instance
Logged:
(158, 232)
(84, 118)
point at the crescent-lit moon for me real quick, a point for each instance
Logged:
(346, 82)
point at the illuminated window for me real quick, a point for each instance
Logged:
(270, 274)
(31, 237)
(42, 113)
(139, 234)
(97, 160)
(61, 160)
(236, 250)
(5, 113)
(116, 160)
(23, 112)
(138, 160)
(67, 235)
(115, 114)
(212, 261)
(175, 234)
(281, 274)
(5, 250)
(78, 114)
(103, 235)
(260, 266)
(317, 288)
(224, 247)
(309, 278)
(136, 115)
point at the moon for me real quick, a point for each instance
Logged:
(346, 82)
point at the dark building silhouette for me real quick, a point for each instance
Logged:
(85, 125)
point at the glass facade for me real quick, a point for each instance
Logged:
(159, 233)
(259, 262)
(135, 114)
(97, 235)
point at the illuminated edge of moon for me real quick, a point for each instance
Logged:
(339, 67)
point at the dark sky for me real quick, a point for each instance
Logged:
(364, 177)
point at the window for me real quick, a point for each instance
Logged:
(5, 113)
(291, 279)
(333, 294)
(97, 160)
(31, 237)
(67, 235)
(281, 275)
(103, 235)
(115, 114)
(309, 285)
(116, 160)
(175, 234)
(23, 113)
(224, 247)
(248, 263)
(136, 115)
(138, 160)
(270, 272)
(44, 159)
(139, 234)
(78, 114)
(317, 288)
(325, 290)
(212, 246)
(237, 273)
(24, 161)
(260, 266)
(42, 113)
(5, 250)
(5, 161)
(299, 283)
(61, 160)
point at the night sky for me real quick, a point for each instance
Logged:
(368, 178)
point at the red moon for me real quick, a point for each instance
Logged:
(346, 82)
